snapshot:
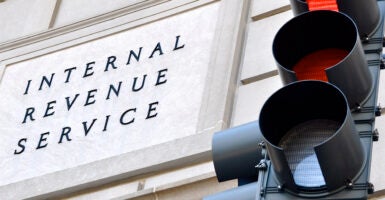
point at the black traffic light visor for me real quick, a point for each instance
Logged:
(316, 31)
(311, 138)
(366, 14)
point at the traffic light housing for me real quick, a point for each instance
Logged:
(344, 157)
(338, 109)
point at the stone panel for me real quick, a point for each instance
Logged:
(73, 11)
(32, 16)
(377, 175)
(103, 99)
(267, 6)
(258, 57)
(251, 98)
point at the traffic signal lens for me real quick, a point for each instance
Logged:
(298, 145)
(313, 65)
(324, 45)
(365, 13)
(322, 5)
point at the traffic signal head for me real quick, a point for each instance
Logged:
(324, 45)
(317, 148)
(311, 139)
(365, 14)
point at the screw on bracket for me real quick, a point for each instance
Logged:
(262, 165)
(262, 144)
(370, 188)
(376, 135)
(365, 39)
(382, 63)
(262, 192)
(383, 42)
(280, 188)
(378, 111)
(349, 184)
(357, 108)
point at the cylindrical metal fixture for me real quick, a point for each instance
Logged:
(314, 37)
(311, 138)
(236, 152)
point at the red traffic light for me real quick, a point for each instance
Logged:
(365, 13)
(322, 5)
(324, 45)
(313, 65)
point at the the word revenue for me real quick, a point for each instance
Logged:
(47, 109)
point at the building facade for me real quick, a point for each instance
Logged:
(120, 99)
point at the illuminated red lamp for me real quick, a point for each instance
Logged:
(324, 45)
(365, 13)
(322, 5)
(313, 65)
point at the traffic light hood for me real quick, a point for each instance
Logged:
(365, 13)
(310, 138)
(323, 31)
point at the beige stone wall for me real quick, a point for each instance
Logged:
(194, 191)
(21, 18)
(156, 169)
(188, 183)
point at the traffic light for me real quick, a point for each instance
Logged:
(317, 130)
(319, 127)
